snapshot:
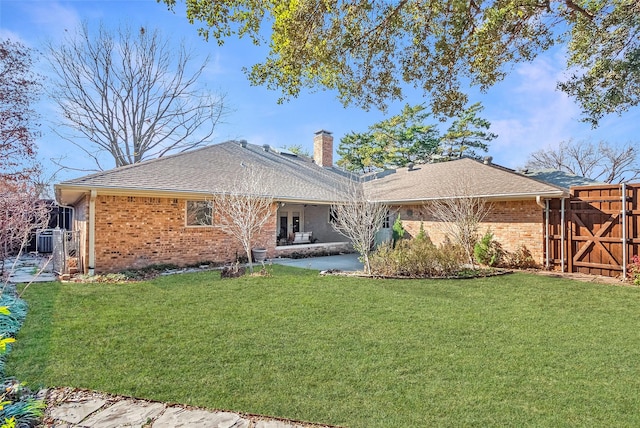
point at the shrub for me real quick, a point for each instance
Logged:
(418, 257)
(634, 270)
(398, 231)
(520, 259)
(488, 251)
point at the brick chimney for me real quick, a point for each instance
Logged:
(323, 148)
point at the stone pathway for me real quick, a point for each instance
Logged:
(28, 266)
(68, 408)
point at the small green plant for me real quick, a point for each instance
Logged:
(421, 234)
(488, 251)
(9, 423)
(397, 230)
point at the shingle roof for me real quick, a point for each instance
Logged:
(560, 178)
(461, 177)
(216, 168)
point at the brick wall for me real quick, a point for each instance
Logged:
(513, 223)
(134, 232)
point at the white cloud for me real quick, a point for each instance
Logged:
(53, 17)
(532, 113)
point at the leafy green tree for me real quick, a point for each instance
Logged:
(467, 134)
(360, 152)
(406, 138)
(367, 51)
(298, 150)
(394, 142)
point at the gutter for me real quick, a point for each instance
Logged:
(503, 197)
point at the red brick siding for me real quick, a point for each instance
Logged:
(133, 232)
(323, 148)
(513, 223)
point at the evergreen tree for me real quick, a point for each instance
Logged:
(467, 134)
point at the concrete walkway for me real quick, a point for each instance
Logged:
(67, 408)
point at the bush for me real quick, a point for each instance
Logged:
(634, 270)
(398, 231)
(488, 251)
(418, 257)
(520, 259)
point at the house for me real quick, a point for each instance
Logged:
(147, 213)
(517, 203)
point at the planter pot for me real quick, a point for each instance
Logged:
(259, 254)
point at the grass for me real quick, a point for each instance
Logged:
(510, 350)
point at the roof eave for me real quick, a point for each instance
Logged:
(496, 197)
(74, 192)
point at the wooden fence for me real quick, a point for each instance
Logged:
(595, 231)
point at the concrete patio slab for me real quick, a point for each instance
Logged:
(342, 262)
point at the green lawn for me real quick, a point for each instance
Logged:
(510, 350)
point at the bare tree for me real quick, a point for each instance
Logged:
(460, 214)
(131, 95)
(603, 162)
(358, 218)
(21, 212)
(243, 212)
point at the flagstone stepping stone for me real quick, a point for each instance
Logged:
(76, 411)
(125, 413)
(276, 424)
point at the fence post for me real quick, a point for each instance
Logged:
(624, 231)
(562, 234)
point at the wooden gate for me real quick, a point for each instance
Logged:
(597, 231)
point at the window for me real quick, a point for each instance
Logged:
(386, 223)
(199, 213)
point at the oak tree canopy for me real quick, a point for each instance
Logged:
(370, 51)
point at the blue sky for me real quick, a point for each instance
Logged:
(526, 111)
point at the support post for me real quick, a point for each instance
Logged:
(546, 234)
(92, 231)
(624, 231)
(562, 228)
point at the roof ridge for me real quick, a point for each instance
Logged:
(143, 163)
(514, 172)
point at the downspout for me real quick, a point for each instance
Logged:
(546, 228)
(624, 231)
(545, 205)
(562, 227)
(92, 231)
